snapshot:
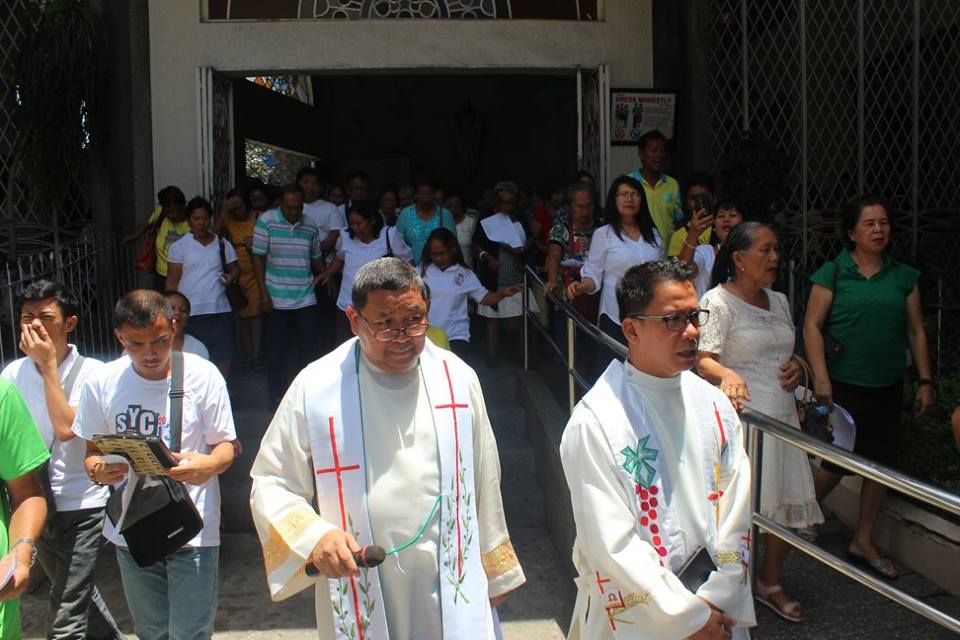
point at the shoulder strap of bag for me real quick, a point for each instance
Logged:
(176, 400)
(155, 229)
(223, 255)
(71, 378)
(386, 230)
(67, 389)
(836, 281)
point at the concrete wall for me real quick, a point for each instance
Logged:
(180, 42)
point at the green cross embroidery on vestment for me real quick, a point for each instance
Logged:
(638, 462)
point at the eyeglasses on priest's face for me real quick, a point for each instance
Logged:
(678, 321)
(381, 334)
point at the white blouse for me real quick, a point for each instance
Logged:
(355, 254)
(610, 257)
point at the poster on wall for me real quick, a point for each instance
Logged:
(634, 112)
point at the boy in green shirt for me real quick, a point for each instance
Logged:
(23, 508)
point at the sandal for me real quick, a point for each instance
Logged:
(788, 611)
(881, 565)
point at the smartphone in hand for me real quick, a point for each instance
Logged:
(702, 202)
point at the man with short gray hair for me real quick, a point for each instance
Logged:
(390, 436)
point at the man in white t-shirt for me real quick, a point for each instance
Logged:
(330, 220)
(50, 379)
(177, 597)
(328, 217)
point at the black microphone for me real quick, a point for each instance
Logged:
(368, 557)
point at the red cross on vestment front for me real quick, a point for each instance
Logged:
(453, 406)
(337, 469)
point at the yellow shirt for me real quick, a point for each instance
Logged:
(678, 237)
(664, 203)
(168, 233)
(438, 337)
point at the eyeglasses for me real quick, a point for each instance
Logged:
(629, 195)
(386, 335)
(679, 321)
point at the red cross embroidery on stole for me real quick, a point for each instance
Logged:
(453, 406)
(601, 582)
(337, 469)
(723, 436)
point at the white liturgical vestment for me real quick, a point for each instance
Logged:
(657, 470)
(396, 429)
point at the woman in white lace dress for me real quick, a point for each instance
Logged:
(747, 349)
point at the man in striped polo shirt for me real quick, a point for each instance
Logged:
(286, 258)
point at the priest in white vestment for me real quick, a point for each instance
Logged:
(389, 439)
(654, 459)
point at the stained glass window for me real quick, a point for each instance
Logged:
(272, 164)
(296, 87)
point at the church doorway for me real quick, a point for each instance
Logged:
(466, 130)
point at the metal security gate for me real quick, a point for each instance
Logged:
(28, 228)
(862, 95)
(60, 243)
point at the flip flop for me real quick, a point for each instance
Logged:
(789, 609)
(881, 565)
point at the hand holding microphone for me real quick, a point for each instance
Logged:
(368, 557)
(338, 555)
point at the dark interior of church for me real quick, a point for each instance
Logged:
(465, 131)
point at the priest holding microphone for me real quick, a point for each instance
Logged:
(390, 438)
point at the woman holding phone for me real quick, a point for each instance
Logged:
(703, 256)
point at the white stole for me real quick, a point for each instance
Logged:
(335, 423)
(635, 449)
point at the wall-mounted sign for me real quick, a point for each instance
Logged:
(634, 112)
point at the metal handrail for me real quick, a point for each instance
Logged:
(585, 325)
(884, 475)
(757, 424)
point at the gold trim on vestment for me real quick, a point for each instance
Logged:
(729, 557)
(291, 526)
(499, 560)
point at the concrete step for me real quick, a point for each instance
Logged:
(524, 511)
(506, 418)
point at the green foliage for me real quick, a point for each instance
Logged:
(929, 451)
(754, 172)
(61, 80)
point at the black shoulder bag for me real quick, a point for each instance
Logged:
(235, 294)
(161, 517)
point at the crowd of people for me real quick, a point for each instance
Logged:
(359, 306)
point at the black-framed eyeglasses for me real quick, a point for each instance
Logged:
(678, 321)
(386, 335)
